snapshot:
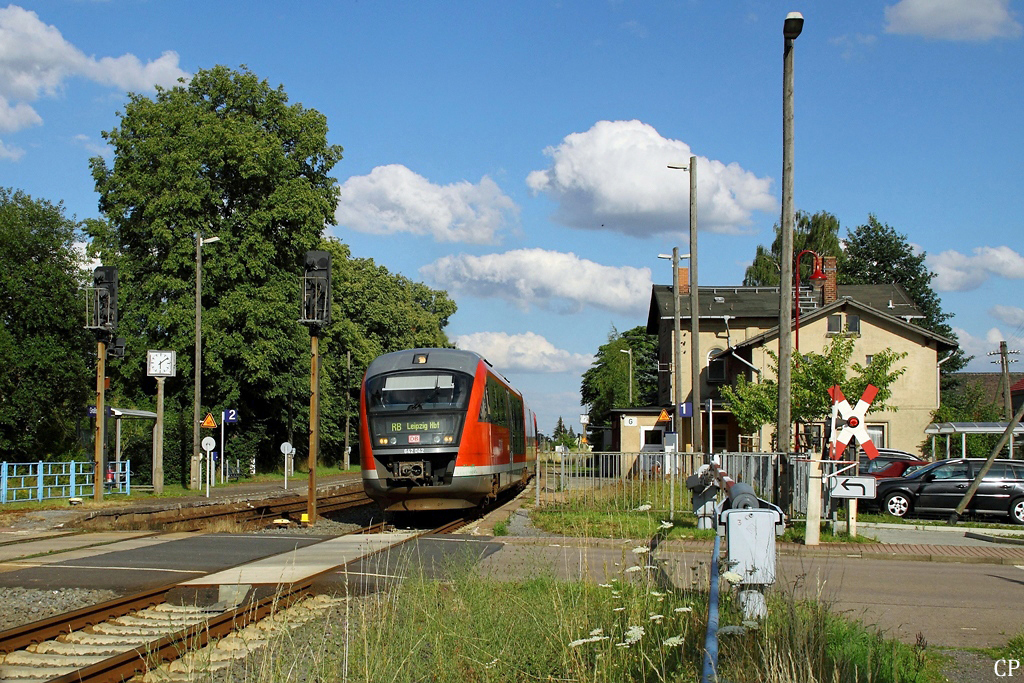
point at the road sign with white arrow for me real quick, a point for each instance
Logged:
(852, 487)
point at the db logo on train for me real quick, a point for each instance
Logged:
(1006, 667)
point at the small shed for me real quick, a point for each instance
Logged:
(950, 429)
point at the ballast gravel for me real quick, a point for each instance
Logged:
(25, 605)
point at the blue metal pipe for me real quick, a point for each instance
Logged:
(710, 674)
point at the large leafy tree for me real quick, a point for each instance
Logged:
(223, 155)
(756, 404)
(818, 232)
(605, 384)
(877, 253)
(45, 352)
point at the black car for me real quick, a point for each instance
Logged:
(940, 486)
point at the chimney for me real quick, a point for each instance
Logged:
(829, 291)
(684, 280)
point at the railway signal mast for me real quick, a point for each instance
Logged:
(101, 318)
(316, 313)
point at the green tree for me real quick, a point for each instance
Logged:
(46, 354)
(877, 253)
(223, 155)
(605, 384)
(374, 312)
(818, 232)
(756, 404)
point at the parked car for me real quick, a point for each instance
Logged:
(889, 463)
(939, 487)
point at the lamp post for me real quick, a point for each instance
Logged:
(790, 30)
(196, 419)
(817, 282)
(677, 397)
(630, 352)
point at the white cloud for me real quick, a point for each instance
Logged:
(615, 177)
(1011, 315)
(36, 60)
(547, 279)
(979, 348)
(962, 20)
(393, 199)
(527, 352)
(10, 153)
(956, 272)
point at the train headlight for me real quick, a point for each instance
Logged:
(448, 438)
(382, 441)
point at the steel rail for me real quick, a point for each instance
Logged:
(141, 658)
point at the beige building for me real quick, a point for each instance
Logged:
(739, 325)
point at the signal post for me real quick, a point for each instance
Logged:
(316, 313)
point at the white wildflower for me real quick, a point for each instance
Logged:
(597, 632)
(732, 577)
(641, 549)
(633, 569)
(644, 508)
(680, 610)
(666, 525)
(619, 609)
(650, 566)
(605, 585)
(491, 664)
(753, 625)
(633, 634)
(656, 618)
(591, 639)
(616, 594)
(657, 594)
(674, 641)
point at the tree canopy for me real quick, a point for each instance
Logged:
(818, 232)
(605, 384)
(877, 253)
(45, 352)
(227, 155)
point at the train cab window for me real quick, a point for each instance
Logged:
(421, 391)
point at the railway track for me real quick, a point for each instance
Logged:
(121, 638)
(244, 512)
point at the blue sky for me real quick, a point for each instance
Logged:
(515, 153)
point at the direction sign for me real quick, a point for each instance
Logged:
(852, 487)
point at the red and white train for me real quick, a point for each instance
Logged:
(441, 429)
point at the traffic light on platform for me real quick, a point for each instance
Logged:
(104, 279)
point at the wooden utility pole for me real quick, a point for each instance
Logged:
(101, 419)
(314, 426)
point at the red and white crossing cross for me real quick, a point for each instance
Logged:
(854, 421)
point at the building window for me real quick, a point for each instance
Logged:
(835, 324)
(853, 324)
(867, 359)
(717, 369)
(877, 434)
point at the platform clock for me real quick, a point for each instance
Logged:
(161, 363)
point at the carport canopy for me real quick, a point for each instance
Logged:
(948, 429)
(939, 428)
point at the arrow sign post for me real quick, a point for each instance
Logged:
(852, 487)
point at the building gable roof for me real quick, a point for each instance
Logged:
(942, 343)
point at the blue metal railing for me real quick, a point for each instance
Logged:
(27, 481)
(710, 673)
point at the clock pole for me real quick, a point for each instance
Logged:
(158, 439)
(316, 313)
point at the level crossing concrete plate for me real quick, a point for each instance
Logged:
(53, 547)
(300, 563)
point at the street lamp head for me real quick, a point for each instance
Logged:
(793, 25)
(209, 240)
(818, 278)
(629, 351)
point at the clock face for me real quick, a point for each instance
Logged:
(161, 364)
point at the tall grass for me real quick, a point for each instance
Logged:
(467, 629)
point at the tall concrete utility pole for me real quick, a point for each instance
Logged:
(695, 419)
(791, 29)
